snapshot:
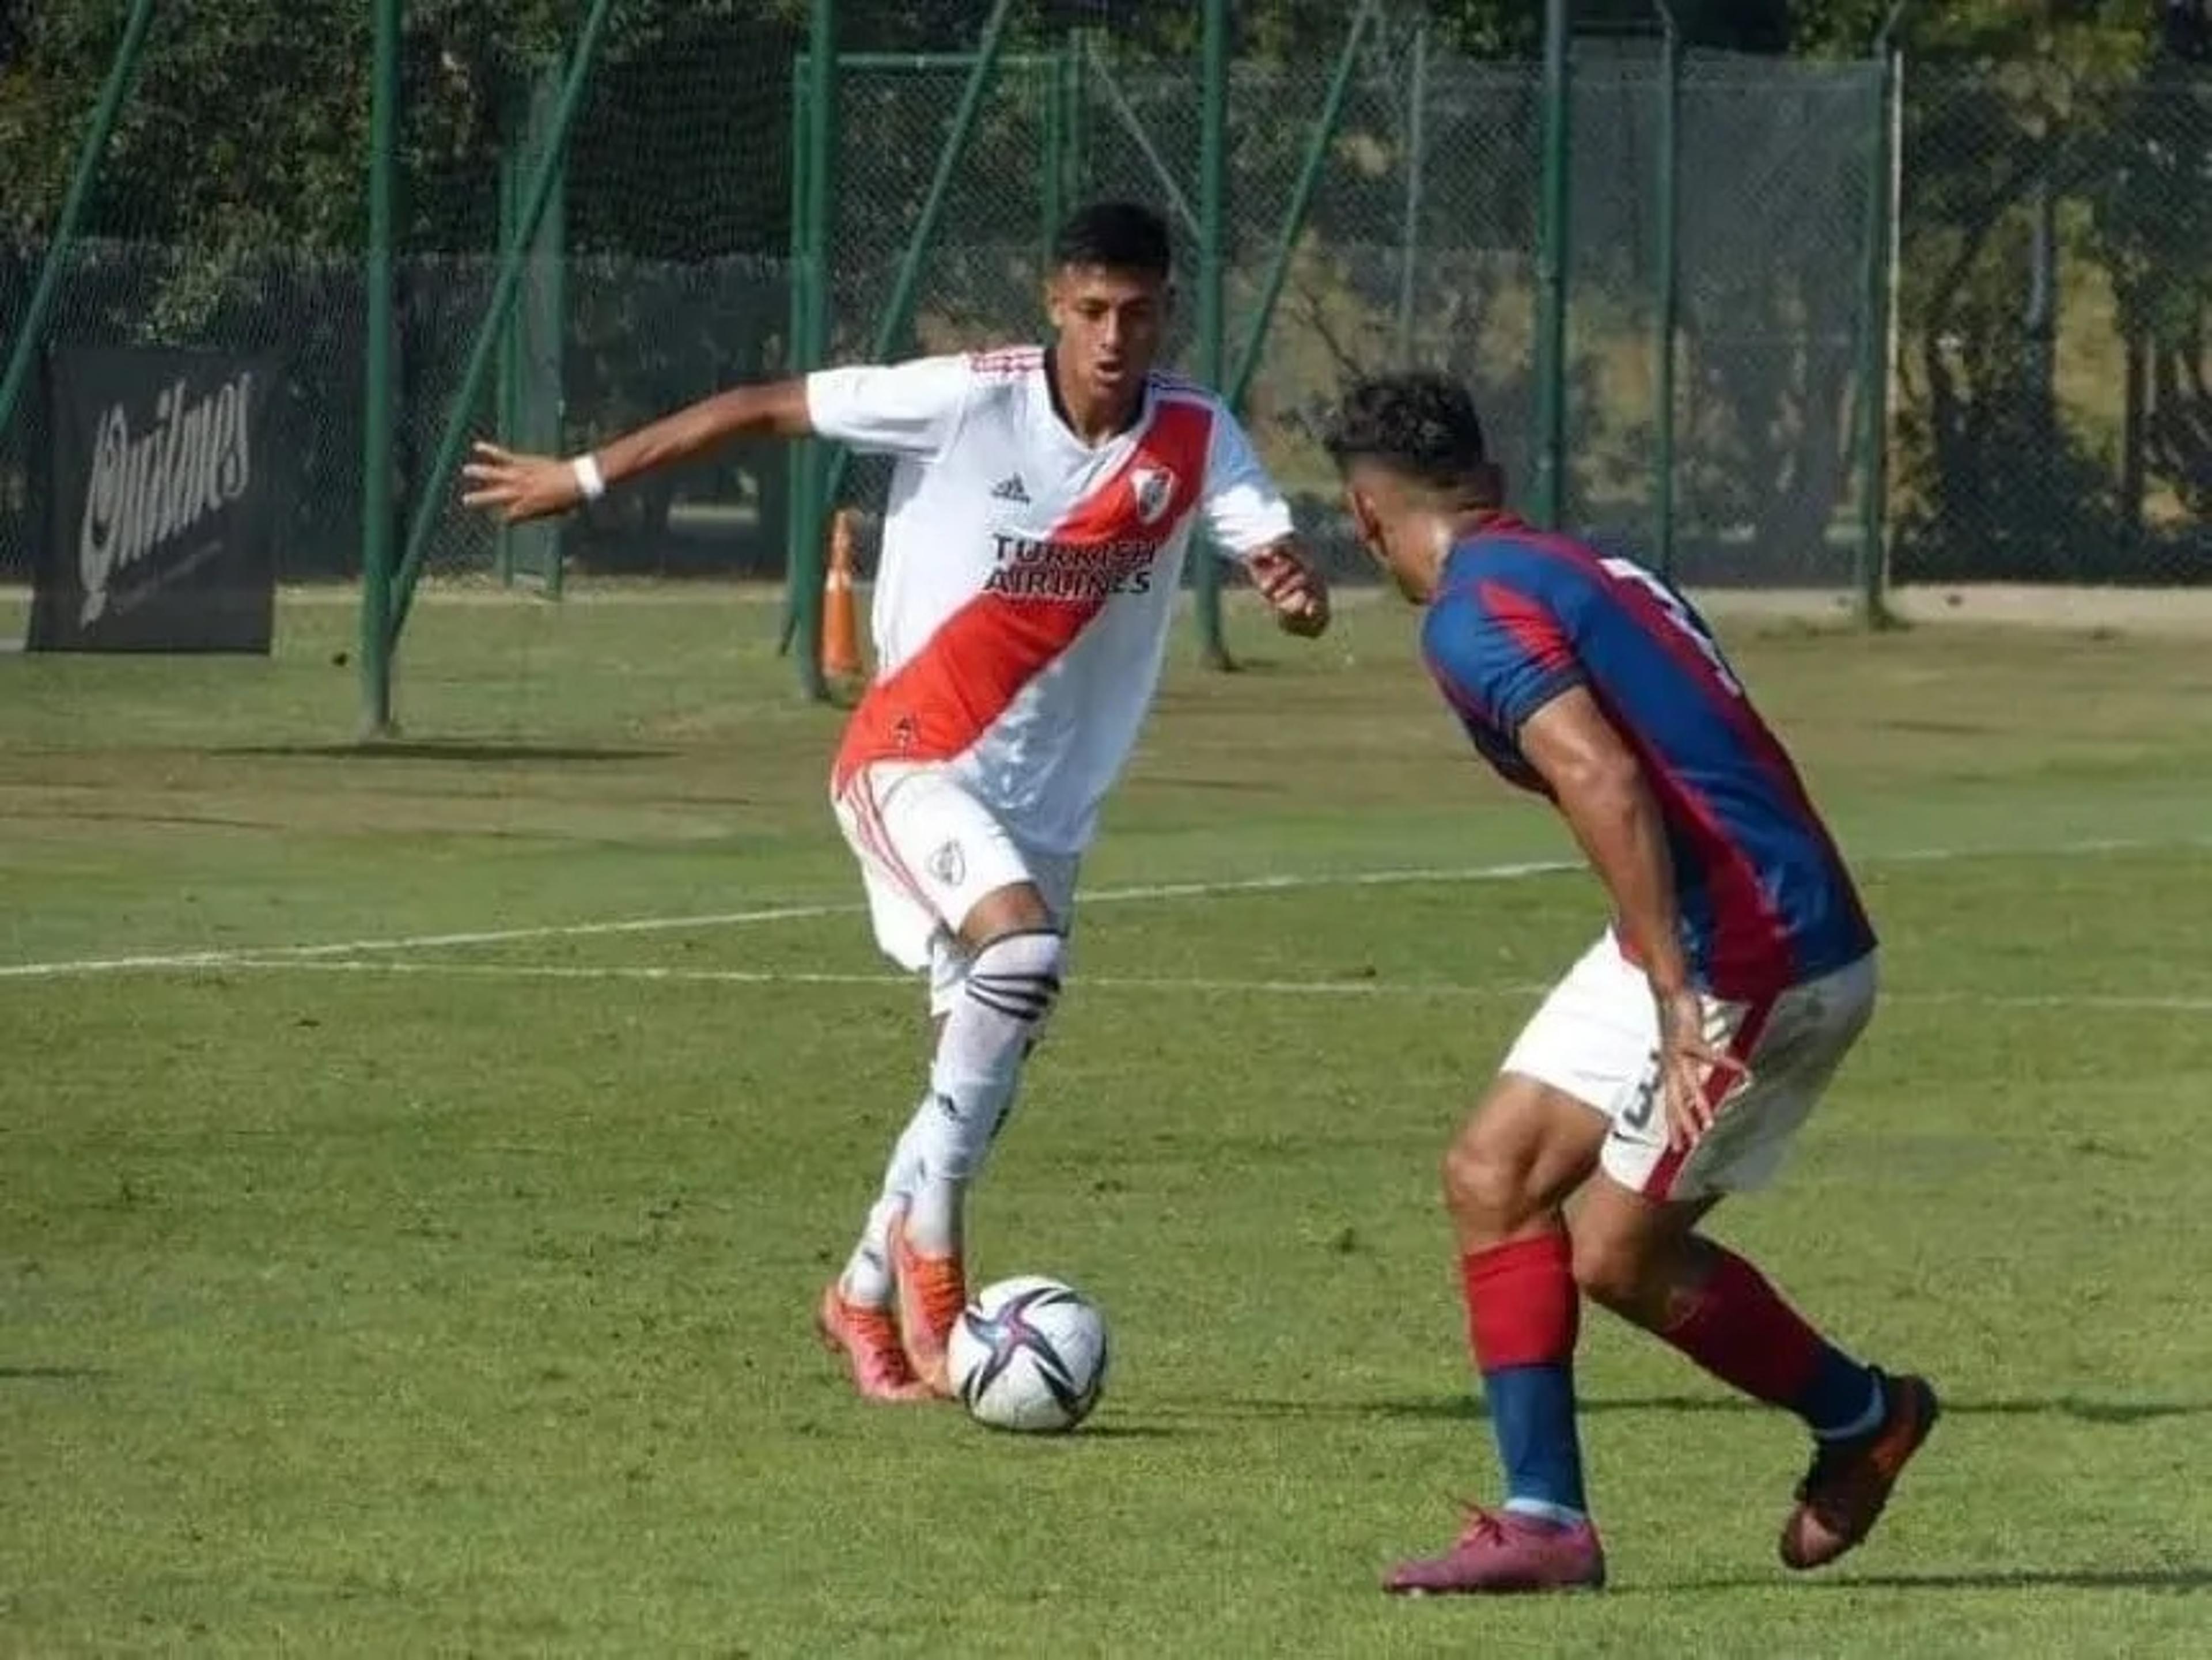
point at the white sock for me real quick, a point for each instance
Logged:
(1543, 1509)
(1009, 993)
(867, 1277)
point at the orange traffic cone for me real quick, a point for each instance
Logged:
(841, 630)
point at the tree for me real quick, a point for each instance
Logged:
(2005, 113)
(2149, 185)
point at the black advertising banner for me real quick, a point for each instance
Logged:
(162, 502)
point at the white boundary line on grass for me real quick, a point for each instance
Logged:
(263, 956)
(659, 975)
(227, 956)
(221, 956)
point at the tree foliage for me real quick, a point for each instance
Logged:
(250, 120)
(246, 135)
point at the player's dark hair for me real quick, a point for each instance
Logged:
(1420, 425)
(1123, 236)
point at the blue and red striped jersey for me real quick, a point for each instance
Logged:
(1520, 616)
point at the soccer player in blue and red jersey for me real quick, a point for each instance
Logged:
(1673, 1063)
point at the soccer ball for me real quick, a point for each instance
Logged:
(1029, 1354)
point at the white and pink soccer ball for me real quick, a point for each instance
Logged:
(1029, 1354)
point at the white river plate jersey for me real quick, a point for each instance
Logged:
(1027, 581)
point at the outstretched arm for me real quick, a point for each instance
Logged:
(771, 409)
(519, 486)
(902, 409)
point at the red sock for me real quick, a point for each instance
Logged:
(1737, 1327)
(1522, 1308)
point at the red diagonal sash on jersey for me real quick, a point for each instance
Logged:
(936, 705)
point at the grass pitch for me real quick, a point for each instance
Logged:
(373, 1290)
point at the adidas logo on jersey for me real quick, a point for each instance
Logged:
(1010, 489)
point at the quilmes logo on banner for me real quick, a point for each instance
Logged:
(160, 502)
(150, 490)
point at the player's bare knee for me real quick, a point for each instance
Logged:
(1487, 1190)
(1640, 1273)
(1611, 1270)
(1018, 907)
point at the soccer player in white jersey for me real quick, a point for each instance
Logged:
(1041, 506)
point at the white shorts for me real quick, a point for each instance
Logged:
(1596, 1038)
(928, 851)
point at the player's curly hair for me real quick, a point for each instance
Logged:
(1418, 424)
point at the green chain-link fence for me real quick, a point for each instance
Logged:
(228, 212)
(171, 250)
(2055, 355)
(1753, 483)
(2049, 385)
(1418, 246)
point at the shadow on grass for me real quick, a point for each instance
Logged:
(465, 753)
(2181, 1578)
(1468, 1408)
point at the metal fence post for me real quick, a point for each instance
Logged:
(1294, 218)
(380, 403)
(1551, 354)
(1869, 576)
(1075, 60)
(1212, 273)
(508, 373)
(823, 474)
(794, 347)
(1669, 203)
(809, 510)
(528, 396)
(542, 178)
(549, 299)
(1052, 193)
(898, 310)
(1410, 233)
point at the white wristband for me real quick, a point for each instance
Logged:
(589, 478)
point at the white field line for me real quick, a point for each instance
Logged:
(228, 955)
(219, 957)
(655, 973)
(222, 955)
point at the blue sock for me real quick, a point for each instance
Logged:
(1844, 1399)
(1523, 1314)
(1532, 1413)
